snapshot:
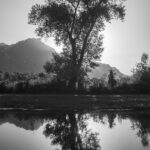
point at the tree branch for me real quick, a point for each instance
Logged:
(87, 35)
(76, 8)
(87, 18)
(73, 45)
(85, 42)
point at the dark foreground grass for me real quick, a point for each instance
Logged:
(49, 102)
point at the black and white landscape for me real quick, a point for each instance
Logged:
(74, 75)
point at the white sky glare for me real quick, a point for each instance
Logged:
(124, 42)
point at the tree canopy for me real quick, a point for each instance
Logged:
(141, 74)
(77, 25)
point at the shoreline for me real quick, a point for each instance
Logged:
(58, 102)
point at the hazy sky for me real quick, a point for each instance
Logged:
(124, 42)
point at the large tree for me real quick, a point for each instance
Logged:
(77, 25)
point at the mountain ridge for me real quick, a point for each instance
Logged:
(102, 71)
(29, 56)
(25, 56)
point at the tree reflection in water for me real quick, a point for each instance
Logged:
(70, 131)
(105, 117)
(141, 123)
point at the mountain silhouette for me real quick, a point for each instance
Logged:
(25, 56)
(3, 47)
(27, 124)
(30, 55)
(102, 71)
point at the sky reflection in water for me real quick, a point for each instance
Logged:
(71, 130)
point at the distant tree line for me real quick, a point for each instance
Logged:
(24, 83)
(56, 81)
(138, 83)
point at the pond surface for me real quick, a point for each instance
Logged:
(74, 130)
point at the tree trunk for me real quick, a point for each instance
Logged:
(72, 82)
(73, 78)
(75, 136)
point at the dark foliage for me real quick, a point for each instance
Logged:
(70, 131)
(111, 79)
(56, 80)
(77, 25)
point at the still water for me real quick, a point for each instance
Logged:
(74, 130)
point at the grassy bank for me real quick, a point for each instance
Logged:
(138, 102)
